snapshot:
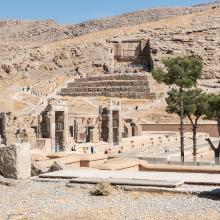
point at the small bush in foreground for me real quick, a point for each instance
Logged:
(102, 189)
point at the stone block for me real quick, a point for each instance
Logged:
(57, 165)
(15, 161)
(37, 169)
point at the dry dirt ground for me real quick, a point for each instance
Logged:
(34, 200)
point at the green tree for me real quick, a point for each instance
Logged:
(213, 112)
(183, 72)
(195, 105)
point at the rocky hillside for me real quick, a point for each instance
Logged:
(37, 32)
(18, 32)
(213, 3)
(33, 53)
(132, 18)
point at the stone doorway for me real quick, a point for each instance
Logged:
(134, 52)
(1, 129)
(59, 131)
(89, 137)
(115, 123)
(105, 125)
(134, 130)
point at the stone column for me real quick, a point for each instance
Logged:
(4, 119)
(110, 127)
(52, 120)
(129, 131)
(99, 126)
(66, 131)
(120, 129)
(139, 127)
(110, 123)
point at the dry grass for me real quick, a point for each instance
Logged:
(102, 189)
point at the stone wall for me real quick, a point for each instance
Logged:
(211, 129)
(123, 86)
(138, 76)
(15, 161)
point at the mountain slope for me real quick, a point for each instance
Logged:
(33, 33)
(37, 63)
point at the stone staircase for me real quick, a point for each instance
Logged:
(133, 86)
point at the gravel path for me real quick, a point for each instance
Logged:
(35, 200)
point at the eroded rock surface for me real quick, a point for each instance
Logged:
(15, 161)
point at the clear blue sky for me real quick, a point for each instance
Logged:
(74, 11)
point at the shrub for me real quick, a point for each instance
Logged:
(102, 189)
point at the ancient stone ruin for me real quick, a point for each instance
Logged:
(58, 127)
(15, 161)
(123, 86)
(61, 128)
(135, 52)
(127, 56)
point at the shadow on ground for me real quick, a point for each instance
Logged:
(214, 194)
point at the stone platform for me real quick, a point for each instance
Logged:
(123, 86)
(163, 179)
(128, 182)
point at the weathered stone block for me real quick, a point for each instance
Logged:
(57, 165)
(38, 168)
(15, 161)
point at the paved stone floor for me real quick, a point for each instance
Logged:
(166, 176)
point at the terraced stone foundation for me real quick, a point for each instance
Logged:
(123, 86)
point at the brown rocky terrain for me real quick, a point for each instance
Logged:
(39, 32)
(45, 55)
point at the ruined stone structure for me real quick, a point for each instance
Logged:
(12, 131)
(61, 129)
(58, 127)
(111, 123)
(124, 86)
(53, 125)
(84, 128)
(15, 161)
(133, 52)
(127, 56)
(131, 128)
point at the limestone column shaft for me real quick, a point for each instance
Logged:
(66, 131)
(110, 128)
(120, 129)
(51, 115)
